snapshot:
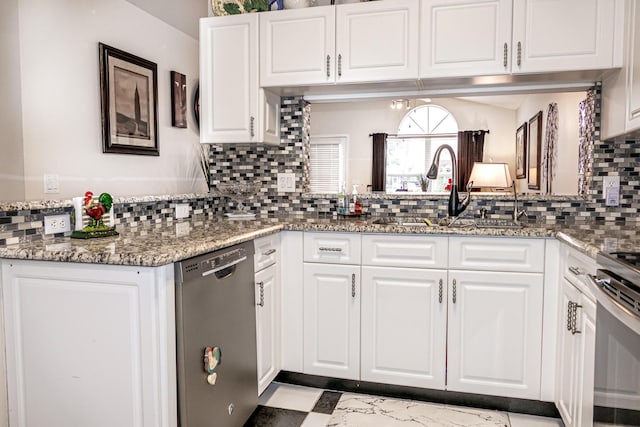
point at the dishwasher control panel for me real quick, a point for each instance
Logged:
(222, 261)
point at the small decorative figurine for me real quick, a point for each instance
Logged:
(96, 210)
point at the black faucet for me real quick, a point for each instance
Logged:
(455, 207)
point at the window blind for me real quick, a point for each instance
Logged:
(326, 170)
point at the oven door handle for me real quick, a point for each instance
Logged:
(618, 310)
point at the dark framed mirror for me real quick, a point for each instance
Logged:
(534, 151)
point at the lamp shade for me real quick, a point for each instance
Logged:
(492, 175)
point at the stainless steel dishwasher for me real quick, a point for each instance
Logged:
(216, 338)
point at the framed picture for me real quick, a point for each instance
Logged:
(129, 97)
(178, 100)
(521, 151)
(534, 151)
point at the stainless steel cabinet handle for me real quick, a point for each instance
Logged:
(440, 291)
(328, 65)
(269, 252)
(325, 249)
(504, 54)
(339, 65)
(261, 285)
(353, 285)
(454, 291)
(569, 310)
(519, 54)
(252, 121)
(575, 270)
(574, 319)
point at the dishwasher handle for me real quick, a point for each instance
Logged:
(224, 267)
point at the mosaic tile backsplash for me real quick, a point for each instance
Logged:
(22, 222)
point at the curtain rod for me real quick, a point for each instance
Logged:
(439, 135)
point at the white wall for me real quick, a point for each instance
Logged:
(11, 150)
(359, 119)
(61, 99)
(566, 179)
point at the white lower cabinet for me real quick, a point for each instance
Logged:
(576, 344)
(332, 320)
(413, 320)
(404, 323)
(495, 333)
(267, 282)
(89, 345)
(267, 326)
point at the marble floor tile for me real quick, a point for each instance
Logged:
(522, 420)
(363, 410)
(289, 396)
(315, 419)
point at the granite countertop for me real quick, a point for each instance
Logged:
(160, 244)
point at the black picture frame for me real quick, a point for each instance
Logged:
(534, 151)
(129, 103)
(178, 100)
(521, 151)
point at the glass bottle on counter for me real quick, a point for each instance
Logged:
(342, 200)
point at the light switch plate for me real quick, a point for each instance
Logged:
(51, 184)
(611, 190)
(286, 182)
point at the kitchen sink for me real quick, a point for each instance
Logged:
(459, 223)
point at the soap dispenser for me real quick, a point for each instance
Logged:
(355, 205)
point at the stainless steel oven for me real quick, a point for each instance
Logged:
(617, 358)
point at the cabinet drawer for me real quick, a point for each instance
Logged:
(496, 254)
(574, 264)
(332, 248)
(267, 251)
(404, 251)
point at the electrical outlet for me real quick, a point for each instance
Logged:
(286, 182)
(182, 211)
(55, 224)
(182, 229)
(611, 190)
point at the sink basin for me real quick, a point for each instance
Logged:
(409, 222)
(459, 223)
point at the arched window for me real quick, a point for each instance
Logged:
(409, 155)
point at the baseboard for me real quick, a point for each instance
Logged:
(507, 404)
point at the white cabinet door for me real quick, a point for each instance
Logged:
(297, 46)
(332, 320)
(465, 38)
(567, 368)
(560, 35)
(495, 333)
(229, 78)
(267, 325)
(404, 321)
(633, 69)
(377, 41)
(89, 345)
(586, 362)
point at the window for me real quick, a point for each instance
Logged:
(327, 163)
(410, 153)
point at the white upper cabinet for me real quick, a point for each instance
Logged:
(297, 46)
(560, 35)
(621, 91)
(465, 38)
(232, 107)
(359, 42)
(377, 41)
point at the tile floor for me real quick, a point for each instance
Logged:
(286, 405)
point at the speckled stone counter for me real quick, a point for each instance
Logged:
(165, 243)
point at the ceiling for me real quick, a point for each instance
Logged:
(181, 14)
